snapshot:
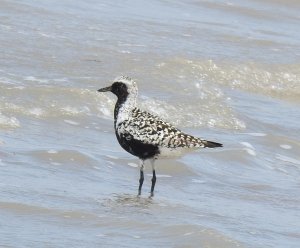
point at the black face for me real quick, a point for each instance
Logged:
(121, 91)
(118, 88)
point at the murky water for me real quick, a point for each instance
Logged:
(223, 70)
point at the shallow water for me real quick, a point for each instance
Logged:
(222, 70)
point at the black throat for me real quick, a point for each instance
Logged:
(121, 91)
(121, 100)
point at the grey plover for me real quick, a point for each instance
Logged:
(145, 135)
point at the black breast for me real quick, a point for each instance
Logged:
(136, 147)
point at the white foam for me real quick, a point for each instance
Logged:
(288, 159)
(34, 79)
(198, 181)
(7, 27)
(19, 87)
(257, 134)
(100, 235)
(70, 110)
(9, 121)
(285, 146)
(247, 144)
(133, 165)
(197, 85)
(161, 64)
(110, 162)
(106, 112)
(111, 156)
(74, 123)
(47, 35)
(250, 151)
(132, 45)
(211, 122)
(36, 111)
(75, 111)
(283, 170)
(56, 164)
(30, 78)
(125, 51)
(162, 204)
(238, 123)
(249, 148)
(188, 233)
(60, 80)
(52, 151)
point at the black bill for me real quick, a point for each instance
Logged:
(105, 89)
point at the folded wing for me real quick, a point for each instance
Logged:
(150, 129)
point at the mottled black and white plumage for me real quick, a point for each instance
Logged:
(145, 135)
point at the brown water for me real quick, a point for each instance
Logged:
(223, 70)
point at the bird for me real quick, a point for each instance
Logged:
(146, 135)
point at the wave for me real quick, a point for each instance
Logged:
(8, 122)
(45, 101)
(275, 80)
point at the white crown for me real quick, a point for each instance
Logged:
(130, 83)
(125, 80)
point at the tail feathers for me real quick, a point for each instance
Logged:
(211, 144)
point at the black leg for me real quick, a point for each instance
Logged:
(141, 181)
(153, 183)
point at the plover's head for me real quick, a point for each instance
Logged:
(122, 87)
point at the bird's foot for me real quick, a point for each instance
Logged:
(139, 193)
